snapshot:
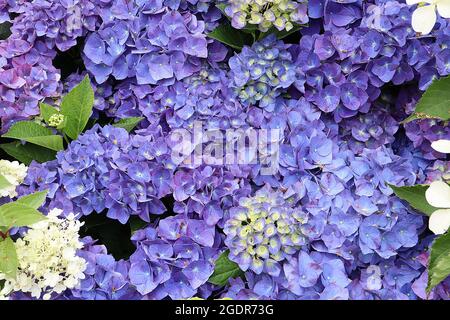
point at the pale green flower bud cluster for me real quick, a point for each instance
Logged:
(14, 172)
(47, 255)
(265, 14)
(264, 230)
(56, 120)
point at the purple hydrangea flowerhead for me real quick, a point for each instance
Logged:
(282, 15)
(204, 96)
(39, 28)
(399, 278)
(384, 234)
(263, 231)
(343, 183)
(154, 45)
(262, 72)
(309, 143)
(7, 7)
(26, 77)
(423, 132)
(176, 259)
(59, 22)
(106, 278)
(439, 170)
(364, 46)
(106, 168)
(306, 275)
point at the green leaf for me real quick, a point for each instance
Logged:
(221, 7)
(231, 37)
(34, 200)
(439, 266)
(8, 258)
(35, 133)
(252, 30)
(136, 224)
(249, 28)
(128, 123)
(435, 102)
(415, 196)
(76, 106)
(47, 111)
(15, 214)
(5, 30)
(4, 183)
(224, 270)
(283, 33)
(26, 153)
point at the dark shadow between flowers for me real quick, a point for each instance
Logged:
(111, 233)
(5, 30)
(70, 61)
(168, 202)
(116, 237)
(4, 155)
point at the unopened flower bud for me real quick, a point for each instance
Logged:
(56, 120)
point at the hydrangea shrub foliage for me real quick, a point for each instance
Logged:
(235, 149)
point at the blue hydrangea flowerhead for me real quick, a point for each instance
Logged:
(203, 96)
(60, 23)
(261, 72)
(364, 46)
(106, 278)
(263, 231)
(176, 259)
(105, 168)
(27, 76)
(155, 45)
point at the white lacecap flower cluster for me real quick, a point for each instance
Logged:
(47, 255)
(14, 172)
